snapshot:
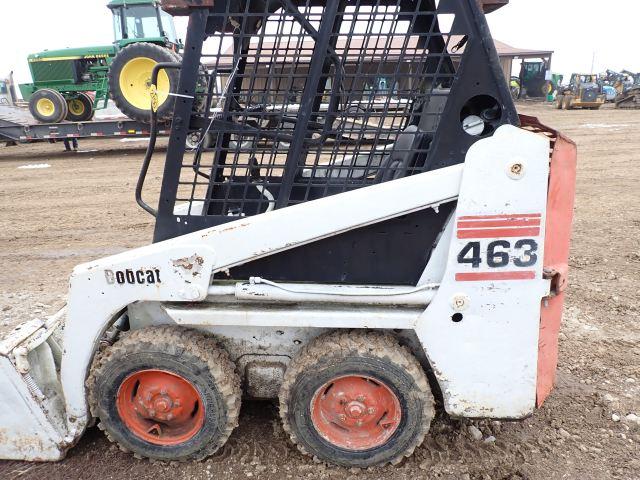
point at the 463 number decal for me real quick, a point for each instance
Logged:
(500, 253)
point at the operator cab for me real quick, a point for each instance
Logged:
(584, 81)
(135, 20)
(322, 98)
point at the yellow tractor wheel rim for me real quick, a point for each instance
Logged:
(45, 107)
(76, 106)
(135, 83)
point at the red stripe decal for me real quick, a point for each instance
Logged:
(524, 222)
(500, 233)
(487, 217)
(482, 276)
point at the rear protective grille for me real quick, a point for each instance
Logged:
(301, 100)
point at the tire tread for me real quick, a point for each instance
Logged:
(342, 343)
(174, 338)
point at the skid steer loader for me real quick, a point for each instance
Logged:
(361, 250)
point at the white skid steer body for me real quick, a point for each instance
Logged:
(476, 311)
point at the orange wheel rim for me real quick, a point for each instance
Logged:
(160, 407)
(355, 412)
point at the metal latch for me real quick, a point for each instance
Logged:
(558, 276)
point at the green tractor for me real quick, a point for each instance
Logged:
(532, 81)
(73, 83)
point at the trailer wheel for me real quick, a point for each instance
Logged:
(356, 399)
(194, 141)
(165, 393)
(48, 106)
(130, 81)
(80, 108)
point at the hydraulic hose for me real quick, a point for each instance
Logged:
(153, 135)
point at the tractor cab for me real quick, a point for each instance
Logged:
(142, 21)
(533, 78)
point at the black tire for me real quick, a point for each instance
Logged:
(80, 108)
(132, 95)
(566, 103)
(48, 106)
(188, 354)
(371, 356)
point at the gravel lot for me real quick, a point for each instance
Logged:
(82, 207)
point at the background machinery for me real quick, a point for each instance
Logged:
(361, 265)
(532, 81)
(7, 91)
(583, 91)
(629, 91)
(74, 82)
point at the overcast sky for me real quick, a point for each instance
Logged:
(575, 31)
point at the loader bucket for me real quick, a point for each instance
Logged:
(32, 420)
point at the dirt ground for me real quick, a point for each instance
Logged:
(82, 207)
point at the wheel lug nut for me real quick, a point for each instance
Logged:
(152, 412)
(359, 423)
(371, 410)
(342, 417)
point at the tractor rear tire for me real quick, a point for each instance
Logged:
(80, 108)
(48, 106)
(200, 100)
(165, 393)
(356, 399)
(130, 81)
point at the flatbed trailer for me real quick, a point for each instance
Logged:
(18, 125)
